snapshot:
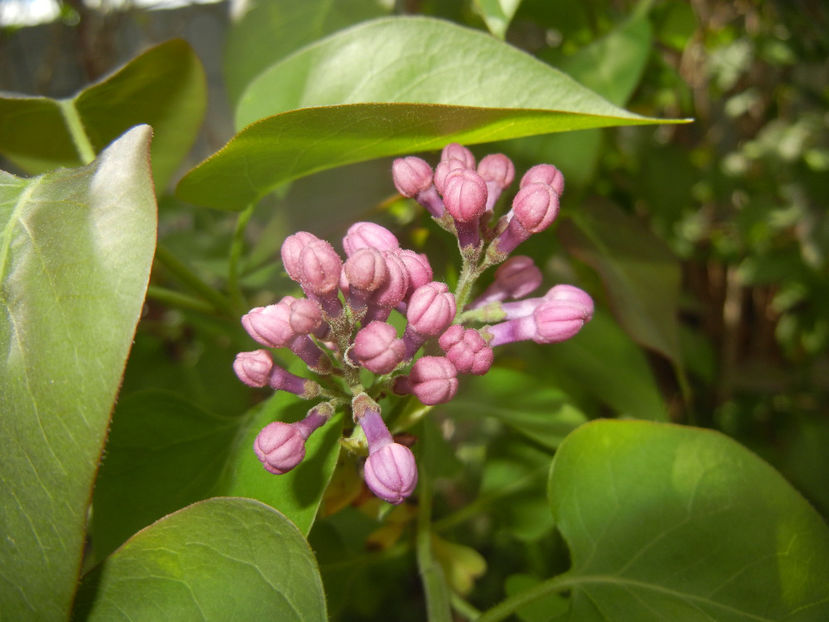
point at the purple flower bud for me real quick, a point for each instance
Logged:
(444, 169)
(271, 325)
(391, 473)
(467, 350)
(498, 168)
(431, 309)
(279, 447)
(306, 317)
(515, 278)
(551, 321)
(433, 380)
(368, 235)
(320, 267)
(459, 152)
(377, 348)
(572, 295)
(535, 207)
(253, 368)
(282, 379)
(544, 174)
(411, 175)
(291, 250)
(465, 195)
(392, 292)
(365, 270)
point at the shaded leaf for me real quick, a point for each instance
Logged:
(76, 252)
(640, 274)
(164, 87)
(264, 31)
(164, 453)
(220, 558)
(362, 94)
(674, 523)
(497, 14)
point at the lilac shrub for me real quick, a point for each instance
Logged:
(355, 356)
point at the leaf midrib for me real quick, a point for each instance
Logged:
(14, 217)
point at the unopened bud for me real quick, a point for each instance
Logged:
(411, 175)
(320, 267)
(544, 174)
(306, 316)
(292, 249)
(444, 169)
(253, 368)
(366, 270)
(433, 380)
(465, 195)
(458, 152)
(417, 267)
(271, 325)
(535, 207)
(377, 348)
(467, 350)
(391, 472)
(498, 168)
(392, 292)
(279, 447)
(368, 235)
(431, 309)
(515, 278)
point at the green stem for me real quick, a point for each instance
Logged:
(189, 278)
(431, 574)
(236, 248)
(469, 274)
(178, 300)
(464, 608)
(76, 130)
(509, 606)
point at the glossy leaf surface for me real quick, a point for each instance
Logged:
(363, 93)
(76, 252)
(214, 560)
(674, 523)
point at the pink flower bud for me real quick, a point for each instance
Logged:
(279, 447)
(467, 350)
(535, 207)
(557, 321)
(271, 325)
(465, 195)
(320, 267)
(515, 278)
(253, 368)
(544, 174)
(411, 175)
(433, 380)
(459, 152)
(291, 250)
(498, 168)
(444, 169)
(572, 295)
(377, 348)
(392, 292)
(391, 472)
(431, 309)
(417, 267)
(368, 235)
(306, 316)
(366, 270)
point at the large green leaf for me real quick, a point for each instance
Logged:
(640, 273)
(220, 559)
(384, 87)
(164, 453)
(164, 87)
(74, 264)
(264, 31)
(674, 523)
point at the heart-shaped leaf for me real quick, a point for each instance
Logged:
(164, 453)
(674, 523)
(385, 87)
(223, 558)
(164, 87)
(74, 265)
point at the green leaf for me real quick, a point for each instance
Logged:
(74, 265)
(364, 93)
(215, 560)
(640, 274)
(544, 609)
(521, 401)
(497, 14)
(674, 523)
(164, 453)
(265, 31)
(164, 87)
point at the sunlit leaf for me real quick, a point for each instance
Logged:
(674, 523)
(363, 93)
(214, 560)
(74, 264)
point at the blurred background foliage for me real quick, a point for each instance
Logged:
(704, 244)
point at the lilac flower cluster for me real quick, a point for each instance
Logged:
(342, 324)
